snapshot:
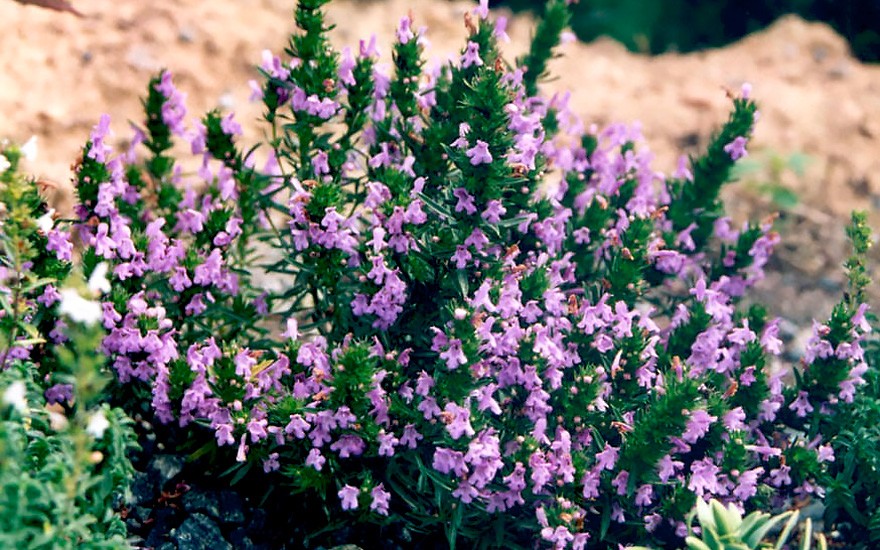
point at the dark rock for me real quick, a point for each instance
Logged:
(165, 468)
(257, 523)
(198, 532)
(141, 513)
(240, 540)
(143, 489)
(167, 546)
(132, 524)
(231, 507)
(163, 519)
(135, 541)
(206, 502)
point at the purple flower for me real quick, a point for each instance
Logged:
(461, 257)
(479, 153)
(454, 356)
(315, 459)
(644, 495)
(380, 498)
(471, 55)
(494, 211)
(349, 445)
(387, 442)
(271, 464)
(482, 11)
(61, 393)
(349, 497)
(736, 148)
(320, 164)
(825, 453)
(697, 425)
(801, 406)
(410, 436)
(734, 419)
(704, 477)
(780, 476)
(59, 243)
(465, 201)
(404, 31)
(620, 481)
(607, 458)
(666, 467)
(458, 421)
(590, 483)
(449, 460)
(747, 484)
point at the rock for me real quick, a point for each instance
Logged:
(257, 523)
(141, 513)
(167, 546)
(206, 502)
(164, 468)
(231, 507)
(240, 540)
(198, 532)
(143, 489)
(161, 527)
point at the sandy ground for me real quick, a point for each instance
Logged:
(58, 73)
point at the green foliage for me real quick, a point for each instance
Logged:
(725, 528)
(555, 20)
(64, 467)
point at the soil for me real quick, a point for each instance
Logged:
(60, 72)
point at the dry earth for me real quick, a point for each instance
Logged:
(59, 73)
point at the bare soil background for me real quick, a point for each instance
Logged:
(58, 73)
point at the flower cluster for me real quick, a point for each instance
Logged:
(444, 298)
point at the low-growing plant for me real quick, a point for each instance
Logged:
(64, 466)
(725, 528)
(438, 305)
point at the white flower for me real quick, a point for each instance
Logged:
(29, 149)
(98, 282)
(97, 425)
(292, 331)
(4, 163)
(14, 396)
(78, 308)
(46, 221)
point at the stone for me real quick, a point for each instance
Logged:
(240, 540)
(206, 502)
(161, 526)
(164, 468)
(143, 489)
(198, 532)
(231, 507)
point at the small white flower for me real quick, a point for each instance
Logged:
(4, 163)
(78, 308)
(29, 149)
(14, 396)
(292, 331)
(98, 282)
(46, 222)
(97, 425)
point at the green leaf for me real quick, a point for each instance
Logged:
(696, 544)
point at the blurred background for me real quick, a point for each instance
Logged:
(646, 26)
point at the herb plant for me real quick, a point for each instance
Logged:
(438, 305)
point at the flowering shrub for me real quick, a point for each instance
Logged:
(64, 464)
(436, 301)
